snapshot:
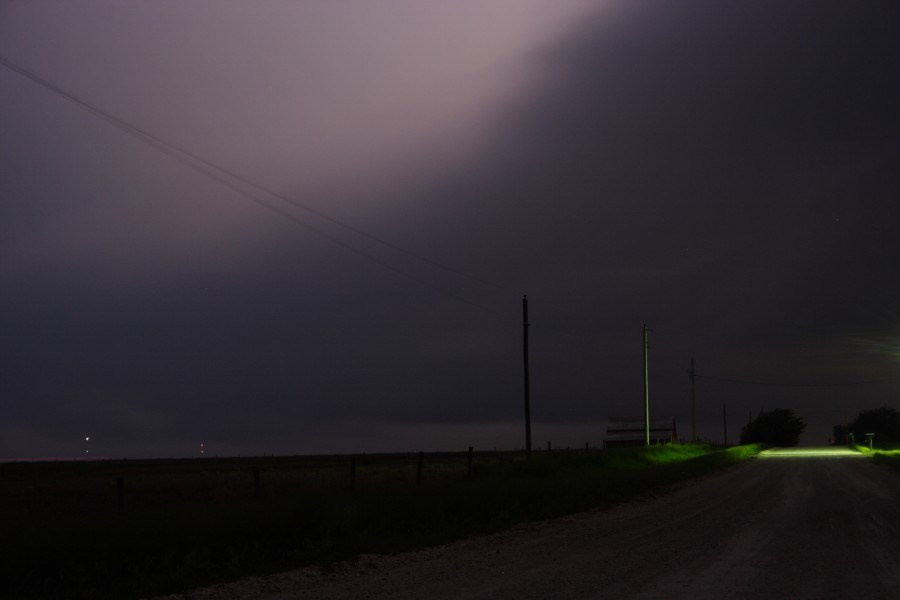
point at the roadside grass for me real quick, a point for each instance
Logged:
(195, 522)
(883, 456)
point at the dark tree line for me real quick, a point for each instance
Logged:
(779, 427)
(884, 422)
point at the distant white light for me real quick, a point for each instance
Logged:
(87, 439)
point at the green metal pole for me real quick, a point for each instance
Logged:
(646, 392)
(525, 325)
(693, 405)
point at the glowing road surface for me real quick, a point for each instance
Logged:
(820, 452)
(799, 524)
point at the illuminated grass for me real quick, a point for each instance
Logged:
(890, 458)
(742, 452)
(656, 455)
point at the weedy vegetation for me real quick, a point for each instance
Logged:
(71, 530)
(884, 456)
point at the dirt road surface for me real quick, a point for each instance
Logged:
(801, 524)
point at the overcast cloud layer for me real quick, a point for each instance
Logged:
(726, 172)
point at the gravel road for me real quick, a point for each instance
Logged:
(791, 524)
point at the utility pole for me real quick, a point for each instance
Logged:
(525, 325)
(693, 405)
(724, 425)
(646, 391)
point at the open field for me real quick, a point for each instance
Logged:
(796, 523)
(124, 529)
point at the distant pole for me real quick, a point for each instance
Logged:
(693, 405)
(724, 425)
(525, 325)
(646, 391)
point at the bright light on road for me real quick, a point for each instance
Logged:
(821, 452)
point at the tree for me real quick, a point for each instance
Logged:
(779, 427)
(884, 422)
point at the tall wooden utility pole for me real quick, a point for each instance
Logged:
(525, 325)
(646, 391)
(693, 405)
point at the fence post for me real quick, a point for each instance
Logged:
(419, 469)
(353, 473)
(120, 494)
(256, 482)
(548, 447)
(471, 452)
(587, 449)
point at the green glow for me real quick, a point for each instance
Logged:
(870, 451)
(812, 452)
(669, 453)
(666, 453)
(744, 451)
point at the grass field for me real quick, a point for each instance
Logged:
(192, 522)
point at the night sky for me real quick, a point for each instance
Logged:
(307, 227)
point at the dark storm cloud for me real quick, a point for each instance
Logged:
(724, 171)
(716, 147)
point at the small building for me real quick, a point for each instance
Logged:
(629, 431)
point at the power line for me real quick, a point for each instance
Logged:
(231, 179)
(797, 385)
(228, 178)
